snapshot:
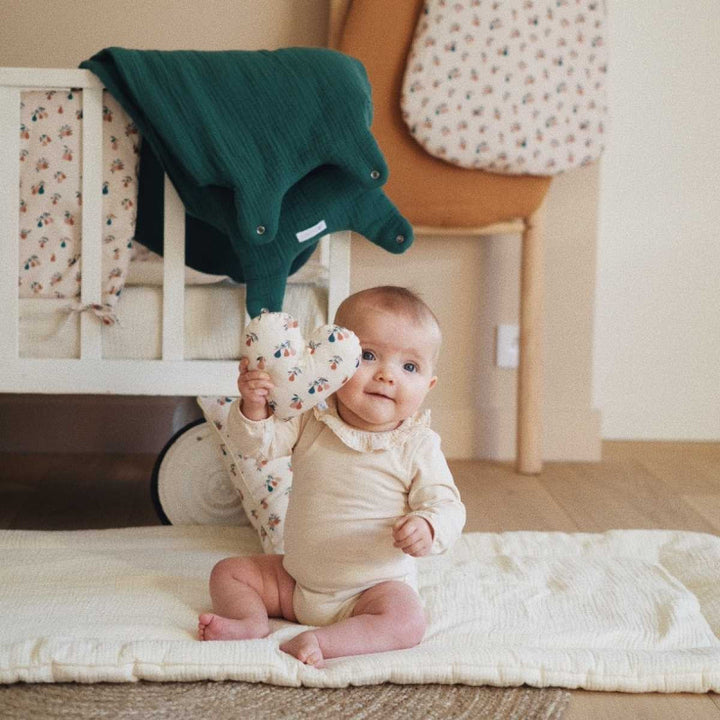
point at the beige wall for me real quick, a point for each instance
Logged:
(657, 375)
(62, 33)
(472, 284)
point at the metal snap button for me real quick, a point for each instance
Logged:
(260, 230)
(375, 174)
(400, 239)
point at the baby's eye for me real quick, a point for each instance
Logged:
(410, 367)
(368, 355)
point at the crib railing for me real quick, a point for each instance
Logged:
(91, 373)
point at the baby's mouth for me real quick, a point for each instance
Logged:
(380, 395)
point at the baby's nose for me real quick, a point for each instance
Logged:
(384, 374)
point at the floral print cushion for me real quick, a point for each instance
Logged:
(262, 485)
(509, 86)
(51, 195)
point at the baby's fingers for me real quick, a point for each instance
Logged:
(405, 538)
(417, 549)
(256, 377)
(403, 526)
(257, 384)
(415, 544)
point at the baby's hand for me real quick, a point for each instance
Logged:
(413, 535)
(254, 386)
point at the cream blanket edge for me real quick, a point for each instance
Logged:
(625, 610)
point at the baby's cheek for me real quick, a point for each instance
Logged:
(342, 393)
(346, 395)
(352, 385)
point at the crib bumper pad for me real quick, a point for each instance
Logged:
(51, 195)
(268, 150)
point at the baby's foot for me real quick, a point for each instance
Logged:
(306, 648)
(217, 627)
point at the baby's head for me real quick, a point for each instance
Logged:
(400, 339)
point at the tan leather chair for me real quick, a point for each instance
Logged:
(443, 199)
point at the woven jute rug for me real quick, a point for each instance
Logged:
(223, 701)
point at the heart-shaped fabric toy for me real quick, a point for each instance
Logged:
(303, 371)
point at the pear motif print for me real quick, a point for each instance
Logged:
(50, 133)
(263, 485)
(304, 371)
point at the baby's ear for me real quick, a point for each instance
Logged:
(433, 382)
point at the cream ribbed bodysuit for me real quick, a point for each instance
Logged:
(349, 488)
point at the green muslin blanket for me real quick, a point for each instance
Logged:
(268, 150)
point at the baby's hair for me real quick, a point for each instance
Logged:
(393, 298)
(388, 297)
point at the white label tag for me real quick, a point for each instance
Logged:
(311, 232)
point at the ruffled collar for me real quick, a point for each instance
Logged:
(366, 441)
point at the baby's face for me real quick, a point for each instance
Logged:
(395, 373)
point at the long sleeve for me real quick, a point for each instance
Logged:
(434, 496)
(268, 439)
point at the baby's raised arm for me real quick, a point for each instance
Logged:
(254, 387)
(252, 429)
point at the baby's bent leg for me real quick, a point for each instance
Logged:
(245, 591)
(388, 616)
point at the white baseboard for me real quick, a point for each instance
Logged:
(569, 434)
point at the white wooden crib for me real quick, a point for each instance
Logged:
(172, 373)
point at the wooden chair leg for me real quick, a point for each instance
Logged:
(530, 371)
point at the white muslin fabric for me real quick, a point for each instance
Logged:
(625, 610)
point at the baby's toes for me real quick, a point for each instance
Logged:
(316, 660)
(312, 658)
(306, 649)
(308, 656)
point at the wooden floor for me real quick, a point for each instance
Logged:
(638, 485)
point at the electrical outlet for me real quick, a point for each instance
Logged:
(507, 346)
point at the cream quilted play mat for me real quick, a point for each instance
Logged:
(629, 610)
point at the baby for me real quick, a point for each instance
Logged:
(371, 491)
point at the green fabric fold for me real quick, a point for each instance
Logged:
(268, 150)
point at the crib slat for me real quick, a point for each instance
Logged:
(173, 346)
(9, 221)
(91, 288)
(339, 282)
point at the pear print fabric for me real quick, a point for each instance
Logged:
(304, 371)
(263, 486)
(509, 86)
(51, 196)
